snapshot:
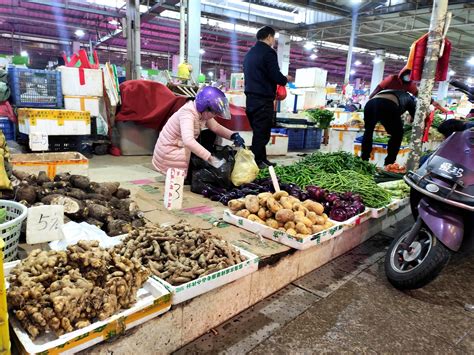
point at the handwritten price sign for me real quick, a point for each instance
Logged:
(174, 183)
(38, 142)
(44, 224)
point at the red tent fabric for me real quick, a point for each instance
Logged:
(148, 103)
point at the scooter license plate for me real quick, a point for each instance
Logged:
(448, 169)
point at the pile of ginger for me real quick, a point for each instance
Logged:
(61, 291)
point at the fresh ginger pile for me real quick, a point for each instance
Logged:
(61, 291)
(179, 253)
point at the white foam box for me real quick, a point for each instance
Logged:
(153, 299)
(81, 82)
(54, 122)
(212, 281)
(382, 211)
(357, 220)
(314, 98)
(84, 103)
(310, 77)
(379, 152)
(280, 236)
(278, 144)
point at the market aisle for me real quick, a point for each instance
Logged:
(347, 305)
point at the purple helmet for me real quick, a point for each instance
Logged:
(212, 99)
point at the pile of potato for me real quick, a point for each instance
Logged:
(61, 291)
(283, 212)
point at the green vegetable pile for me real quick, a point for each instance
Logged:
(398, 189)
(336, 172)
(321, 116)
(3, 215)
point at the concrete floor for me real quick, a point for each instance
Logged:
(344, 306)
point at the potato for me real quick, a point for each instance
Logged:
(273, 205)
(301, 236)
(293, 200)
(251, 203)
(282, 229)
(280, 194)
(290, 225)
(243, 213)
(236, 205)
(328, 225)
(316, 229)
(263, 197)
(272, 223)
(299, 214)
(291, 231)
(286, 203)
(325, 216)
(305, 220)
(284, 215)
(255, 218)
(280, 224)
(268, 214)
(320, 220)
(314, 207)
(301, 228)
(312, 216)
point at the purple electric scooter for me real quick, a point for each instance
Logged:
(442, 202)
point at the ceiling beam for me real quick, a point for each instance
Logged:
(71, 6)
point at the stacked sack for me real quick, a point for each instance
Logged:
(6, 189)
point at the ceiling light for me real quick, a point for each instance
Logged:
(309, 45)
(353, 72)
(114, 22)
(79, 33)
(356, 1)
(24, 53)
(211, 74)
(315, 50)
(202, 51)
(313, 56)
(471, 61)
(451, 72)
(357, 62)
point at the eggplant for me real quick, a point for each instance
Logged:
(304, 196)
(338, 214)
(331, 197)
(205, 192)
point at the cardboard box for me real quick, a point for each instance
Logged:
(81, 82)
(84, 103)
(54, 122)
(51, 163)
(153, 299)
(212, 281)
(282, 237)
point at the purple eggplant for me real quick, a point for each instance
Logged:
(331, 197)
(338, 214)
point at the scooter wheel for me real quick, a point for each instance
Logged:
(420, 264)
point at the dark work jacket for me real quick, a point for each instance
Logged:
(406, 102)
(261, 71)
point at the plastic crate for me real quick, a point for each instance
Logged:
(35, 88)
(8, 128)
(312, 138)
(295, 137)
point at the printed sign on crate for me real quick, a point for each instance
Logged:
(44, 224)
(38, 142)
(173, 198)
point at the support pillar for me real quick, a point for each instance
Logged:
(443, 87)
(176, 59)
(182, 32)
(76, 46)
(283, 51)
(133, 64)
(435, 39)
(377, 69)
(347, 74)
(194, 37)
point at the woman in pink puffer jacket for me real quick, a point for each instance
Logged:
(177, 139)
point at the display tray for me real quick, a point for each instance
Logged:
(382, 211)
(209, 282)
(153, 299)
(358, 219)
(282, 237)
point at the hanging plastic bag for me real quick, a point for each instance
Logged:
(245, 168)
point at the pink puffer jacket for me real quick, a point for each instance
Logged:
(177, 139)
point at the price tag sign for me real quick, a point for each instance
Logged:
(174, 183)
(38, 142)
(44, 224)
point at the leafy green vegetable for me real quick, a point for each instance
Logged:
(322, 117)
(3, 215)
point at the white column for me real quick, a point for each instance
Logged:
(283, 51)
(133, 65)
(443, 87)
(175, 61)
(194, 37)
(377, 69)
(182, 31)
(351, 46)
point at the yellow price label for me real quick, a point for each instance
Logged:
(60, 121)
(32, 121)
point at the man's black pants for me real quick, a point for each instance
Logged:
(387, 113)
(261, 113)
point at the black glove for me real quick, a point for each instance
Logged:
(238, 140)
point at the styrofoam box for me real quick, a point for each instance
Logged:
(153, 299)
(314, 98)
(52, 163)
(310, 77)
(382, 211)
(84, 103)
(278, 144)
(357, 220)
(280, 236)
(54, 122)
(71, 83)
(209, 282)
(379, 151)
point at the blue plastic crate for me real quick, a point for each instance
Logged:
(35, 88)
(295, 138)
(8, 128)
(312, 139)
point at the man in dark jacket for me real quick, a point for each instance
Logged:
(262, 74)
(387, 107)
